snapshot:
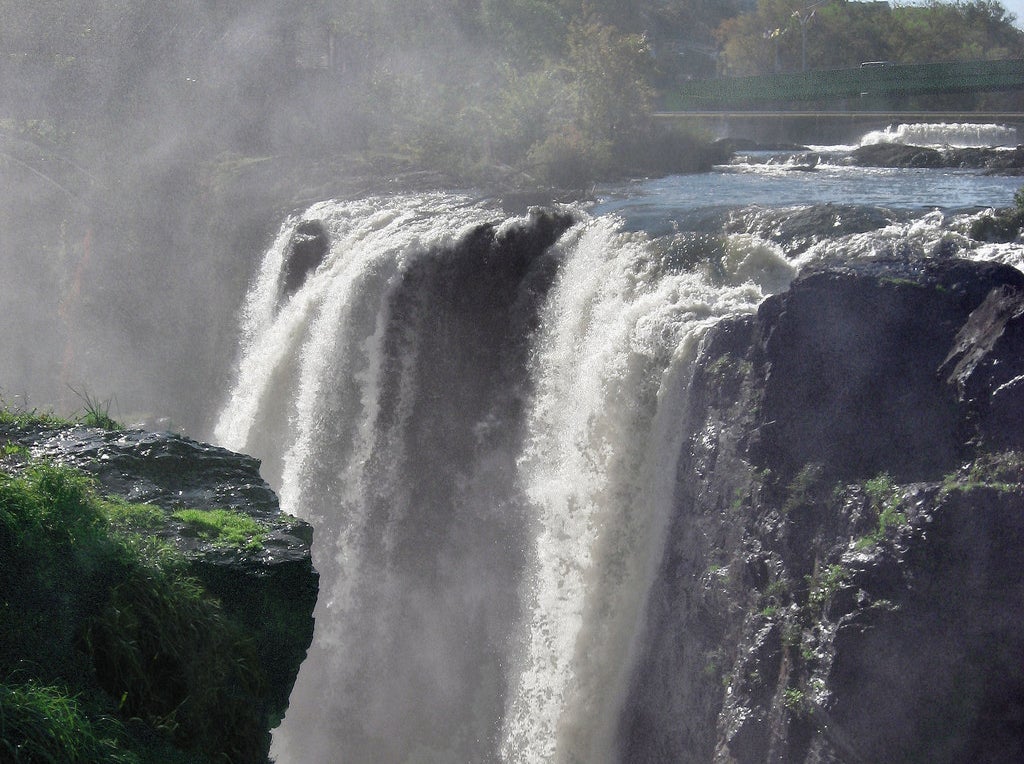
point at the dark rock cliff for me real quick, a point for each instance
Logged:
(844, 576)
(268, 588)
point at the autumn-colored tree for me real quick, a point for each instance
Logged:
(837, 33)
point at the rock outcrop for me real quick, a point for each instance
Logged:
(844, 576)
(268, 588)
(900, 155)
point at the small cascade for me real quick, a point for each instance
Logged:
(482, 421)
(940, 135)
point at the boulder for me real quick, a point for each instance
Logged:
(896, 155)
(307, 248)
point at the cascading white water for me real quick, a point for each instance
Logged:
(611, 374)
(957, 135)
(488, 459)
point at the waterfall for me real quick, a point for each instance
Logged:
(482, 421)
(956, 135)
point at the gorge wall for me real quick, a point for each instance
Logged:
(843, 577)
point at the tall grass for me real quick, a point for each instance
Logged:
(93, 607)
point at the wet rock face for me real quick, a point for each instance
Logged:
(270, 589)
(843, 574)
(306, 250)
(849, 359)
(159, 468)
(796, 231)
(986, 368)
(896, 155)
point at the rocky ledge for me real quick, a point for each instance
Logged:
(844, 578)
(265, 584)
(1009, 162)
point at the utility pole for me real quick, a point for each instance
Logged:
(803, 18)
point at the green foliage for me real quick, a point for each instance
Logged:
(125, 517)
(793, 699)
(611, 97)
(91, 603)
(823, 585)
(95, 412)
(806, 489)
(569, 159)
(843, 34)
(44, 724)
(1002, 471)
(21, 417)
(885, 499)
(15, 449)
(173, 659)
(224, 526)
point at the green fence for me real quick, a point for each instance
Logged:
(873, 80)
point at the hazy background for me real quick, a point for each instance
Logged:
(148, 151)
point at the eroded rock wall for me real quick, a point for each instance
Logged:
(844, 575)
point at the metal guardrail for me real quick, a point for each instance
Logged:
(876, 80)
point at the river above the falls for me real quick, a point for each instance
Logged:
(781, 179)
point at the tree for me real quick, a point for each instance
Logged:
(843, 34)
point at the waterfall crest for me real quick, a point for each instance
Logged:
(482, 421)
(942, 134)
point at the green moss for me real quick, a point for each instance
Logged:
(1002, 471)
(224, 526)
(885, 499)
(896, 281)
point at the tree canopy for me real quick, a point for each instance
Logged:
(842, 34)
(444, 83)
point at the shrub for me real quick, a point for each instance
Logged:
(169, 655)
(568, 159)
(885, 500)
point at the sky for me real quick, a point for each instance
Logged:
(1016, 7)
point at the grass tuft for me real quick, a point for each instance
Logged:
(95, 412)
(224, 527)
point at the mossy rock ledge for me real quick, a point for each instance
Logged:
(262, 585)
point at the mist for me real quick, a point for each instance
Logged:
(148, 154)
